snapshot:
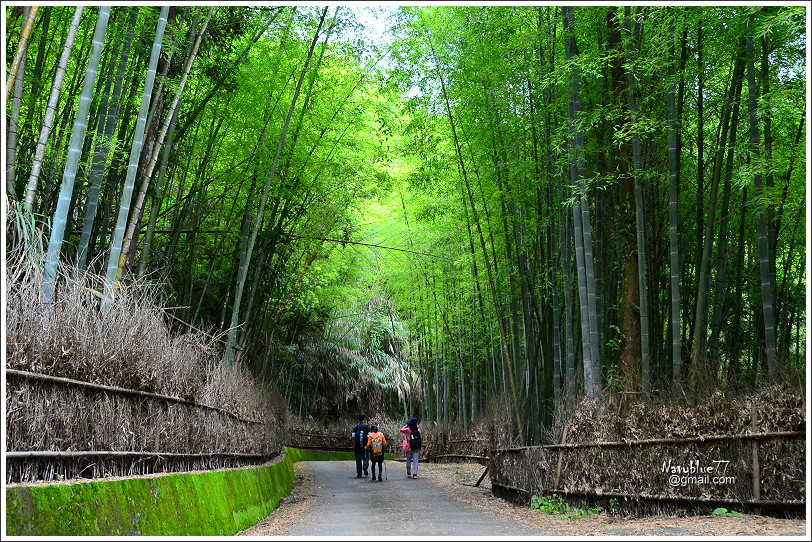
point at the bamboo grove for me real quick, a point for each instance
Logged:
(502, 205)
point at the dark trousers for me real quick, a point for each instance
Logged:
(377, 460)
(361, 461)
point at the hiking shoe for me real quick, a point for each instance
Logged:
(414, 476)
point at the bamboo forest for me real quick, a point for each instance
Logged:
(439, 211)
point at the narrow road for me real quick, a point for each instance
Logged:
(345, 505)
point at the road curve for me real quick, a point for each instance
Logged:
(346, 506)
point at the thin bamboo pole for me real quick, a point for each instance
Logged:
(123, 391)
(21, 48)
(709, 438)
(117, 453)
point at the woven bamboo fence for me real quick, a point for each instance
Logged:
(64, 428)
(694, 464)
(320, 439)
(335, 436)
(454, 445)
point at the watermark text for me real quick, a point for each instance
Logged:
(697, 473)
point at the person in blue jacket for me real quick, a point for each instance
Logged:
(359, 438)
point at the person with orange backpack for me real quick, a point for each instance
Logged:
(376, 444)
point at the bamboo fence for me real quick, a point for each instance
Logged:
(759, 466)
(61, 428)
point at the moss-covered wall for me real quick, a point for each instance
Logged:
(193, 504)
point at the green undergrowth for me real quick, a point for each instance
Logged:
(213, 503)
(556, 505)
(726, 513)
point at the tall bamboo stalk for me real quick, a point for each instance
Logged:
(13, 125)
(673, 223)
(145, 182)
(767, 292)
(108, 118)
(22, 47)
(132, 166)
(74, 153)
(590, 338)
(245, 256)
(50, 111)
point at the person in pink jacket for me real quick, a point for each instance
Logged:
(412, 444)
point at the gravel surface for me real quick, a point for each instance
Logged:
(457, 480)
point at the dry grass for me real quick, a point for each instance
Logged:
(129, 346)
(638, 470)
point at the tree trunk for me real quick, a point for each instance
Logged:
(633, 30)
(621, 162)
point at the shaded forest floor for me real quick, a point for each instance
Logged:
(457, 481)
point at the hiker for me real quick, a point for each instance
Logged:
(359, 438)
(412, 444)
(375, 444)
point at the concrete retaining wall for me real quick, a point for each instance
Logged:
(213, 503)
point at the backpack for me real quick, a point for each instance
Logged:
(377, 444)
(361, 436)
(415, 441)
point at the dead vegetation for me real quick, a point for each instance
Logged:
(194, 411)
(629, 451)
(335, 434)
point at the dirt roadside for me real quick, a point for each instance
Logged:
(457, 481)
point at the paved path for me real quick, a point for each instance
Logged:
(345, 505)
